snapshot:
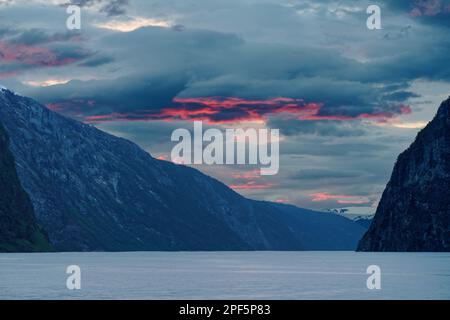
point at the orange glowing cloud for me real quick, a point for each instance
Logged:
(133, 24)
(249, 175)
(251, 185)
(234, 109)
(249, 180)
(46, 83)
(220, 110)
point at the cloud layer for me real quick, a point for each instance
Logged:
(346, 99)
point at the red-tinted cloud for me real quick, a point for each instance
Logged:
(233, 109)
(251, 185)
(249, 180)
(162, 157)
(17, 57)
(429, 8)
(340, 198)
(219, 110)
(247, 175)
(4, 75)
(30, 55)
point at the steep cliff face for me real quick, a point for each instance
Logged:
(414, 211)
(94, 191)
(18, 228)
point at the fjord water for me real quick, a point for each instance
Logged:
(225, 275)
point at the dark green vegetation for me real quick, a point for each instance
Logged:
(18, 229)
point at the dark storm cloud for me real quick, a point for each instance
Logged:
(401, 96)
(6, 31)
(19, 58)
(213, 64)
(39, 36)
(232, 61)
(97, 60)
(220, 64)
(69, 52)
(423, 7)
(433, 12)
(428, 61)
(130, 97)
(110, 7)
(115, 7)
(27, 49)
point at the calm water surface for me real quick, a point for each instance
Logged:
(225, 275)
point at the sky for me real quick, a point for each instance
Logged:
(346, 99)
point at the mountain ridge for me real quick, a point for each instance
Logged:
(94, 191)
(414, 211)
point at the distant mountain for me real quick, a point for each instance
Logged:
(364, 221)
(94, 191)
(18, 228)
(414, 211)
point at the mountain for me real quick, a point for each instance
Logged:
(93, 191)
(414, 211)
(364, 221)
(18, 227)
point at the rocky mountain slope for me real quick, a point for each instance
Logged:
(94, 191)
(18, 228)
(414, 211)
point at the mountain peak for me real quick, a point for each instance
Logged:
(4, 89)
(414, 211)
(444, 109)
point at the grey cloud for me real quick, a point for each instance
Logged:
(122, 95)
(110, 7)
(218, 64)
(333, 149)
(97, 60)
(115, 7)
(314, 174)
(253, 50)
(329, 128)
(433, 12)
(40, 36)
